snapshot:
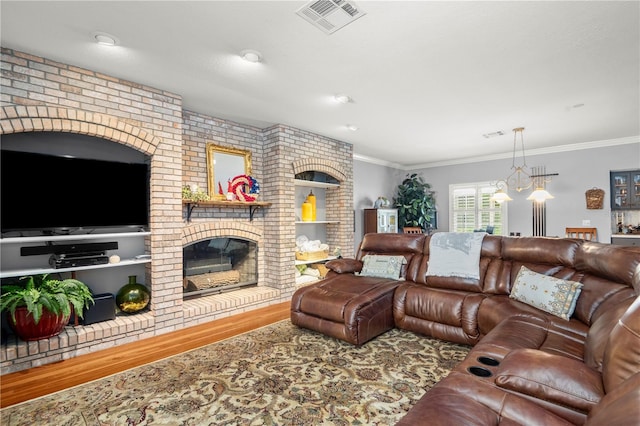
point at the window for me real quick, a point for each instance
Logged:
(471, 208)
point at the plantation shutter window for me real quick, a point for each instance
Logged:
(472, 209)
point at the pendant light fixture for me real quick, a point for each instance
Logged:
(521, 178)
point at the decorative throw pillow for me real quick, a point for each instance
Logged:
(382, 266)
(550, 294)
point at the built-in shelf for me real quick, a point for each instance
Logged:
(41, 238)
(35, 271)
(314, 184)
(10, 242)
(253, 206)
(307, 222)
(308, 262)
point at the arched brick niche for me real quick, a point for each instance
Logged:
(339, 235)
(212, 230)
(319, 165)
(206, 230)
(16, 119)
(163, 274)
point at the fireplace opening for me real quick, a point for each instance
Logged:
(218, 265)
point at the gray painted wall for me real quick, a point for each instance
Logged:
(578, 170)
(371, 181)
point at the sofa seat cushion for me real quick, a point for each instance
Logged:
(552, 378)
(332, 298)
(462, 401)
(445, 314)
(348, 307)
(514, 333)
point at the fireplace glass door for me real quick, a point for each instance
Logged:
(219, 264)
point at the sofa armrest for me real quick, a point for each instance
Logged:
(344, 266)
(552, 378)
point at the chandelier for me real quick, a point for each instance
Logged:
(521, 178)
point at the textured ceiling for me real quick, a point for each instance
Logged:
(427, 79)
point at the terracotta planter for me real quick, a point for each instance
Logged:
(49, 325)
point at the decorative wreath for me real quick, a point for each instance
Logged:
(239, 185)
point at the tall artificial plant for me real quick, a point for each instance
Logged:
(415, 202)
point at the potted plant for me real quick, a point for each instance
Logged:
(39, 307)
(415, 202)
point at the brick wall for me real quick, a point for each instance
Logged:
(43, 95)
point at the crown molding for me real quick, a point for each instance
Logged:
(530, 152)
(377, 161)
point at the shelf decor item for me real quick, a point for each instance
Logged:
(39, 307)
(193, 193)
(245, 188)
(307, 211)
(311, 199)
(133, 297)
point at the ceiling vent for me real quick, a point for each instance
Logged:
(494, 134)
(330, 15)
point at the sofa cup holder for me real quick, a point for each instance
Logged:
(479, 371)
(491, 362)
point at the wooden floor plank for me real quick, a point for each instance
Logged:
(39, 381)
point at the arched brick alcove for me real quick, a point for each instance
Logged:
(16, 119)
(164, 272)
(319, 165)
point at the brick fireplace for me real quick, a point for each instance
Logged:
(44, 95)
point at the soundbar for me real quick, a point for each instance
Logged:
(69, 248)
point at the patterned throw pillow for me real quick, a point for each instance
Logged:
(382, 266)
(550, 294)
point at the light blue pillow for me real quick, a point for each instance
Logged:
(382, 266)
(550, 294)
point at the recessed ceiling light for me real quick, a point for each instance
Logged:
(251, 55)
(343, 99)
(105, 39)
(352, 127)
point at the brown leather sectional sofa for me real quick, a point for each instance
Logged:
(526, 366)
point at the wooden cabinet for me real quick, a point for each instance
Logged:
(380, 220)
(625, 189)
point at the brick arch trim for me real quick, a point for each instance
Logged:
(203, 231)
(320, 165)
(18, 119)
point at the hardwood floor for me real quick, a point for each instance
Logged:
(35, 382)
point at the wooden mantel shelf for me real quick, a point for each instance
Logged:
(253, 205)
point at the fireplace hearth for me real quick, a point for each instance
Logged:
(218, 265)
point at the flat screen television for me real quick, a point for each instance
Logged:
(43, 192)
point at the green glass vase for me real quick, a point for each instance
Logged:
(133, 297)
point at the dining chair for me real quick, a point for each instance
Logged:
(412, 230)
(589, 234)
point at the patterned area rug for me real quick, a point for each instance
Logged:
(277, 375)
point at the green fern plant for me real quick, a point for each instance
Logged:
(39, 292)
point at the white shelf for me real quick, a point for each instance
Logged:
(314, 184)
(310, 222)
(19, 240)
(35, 271)
(308, 262)
(306, 279)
